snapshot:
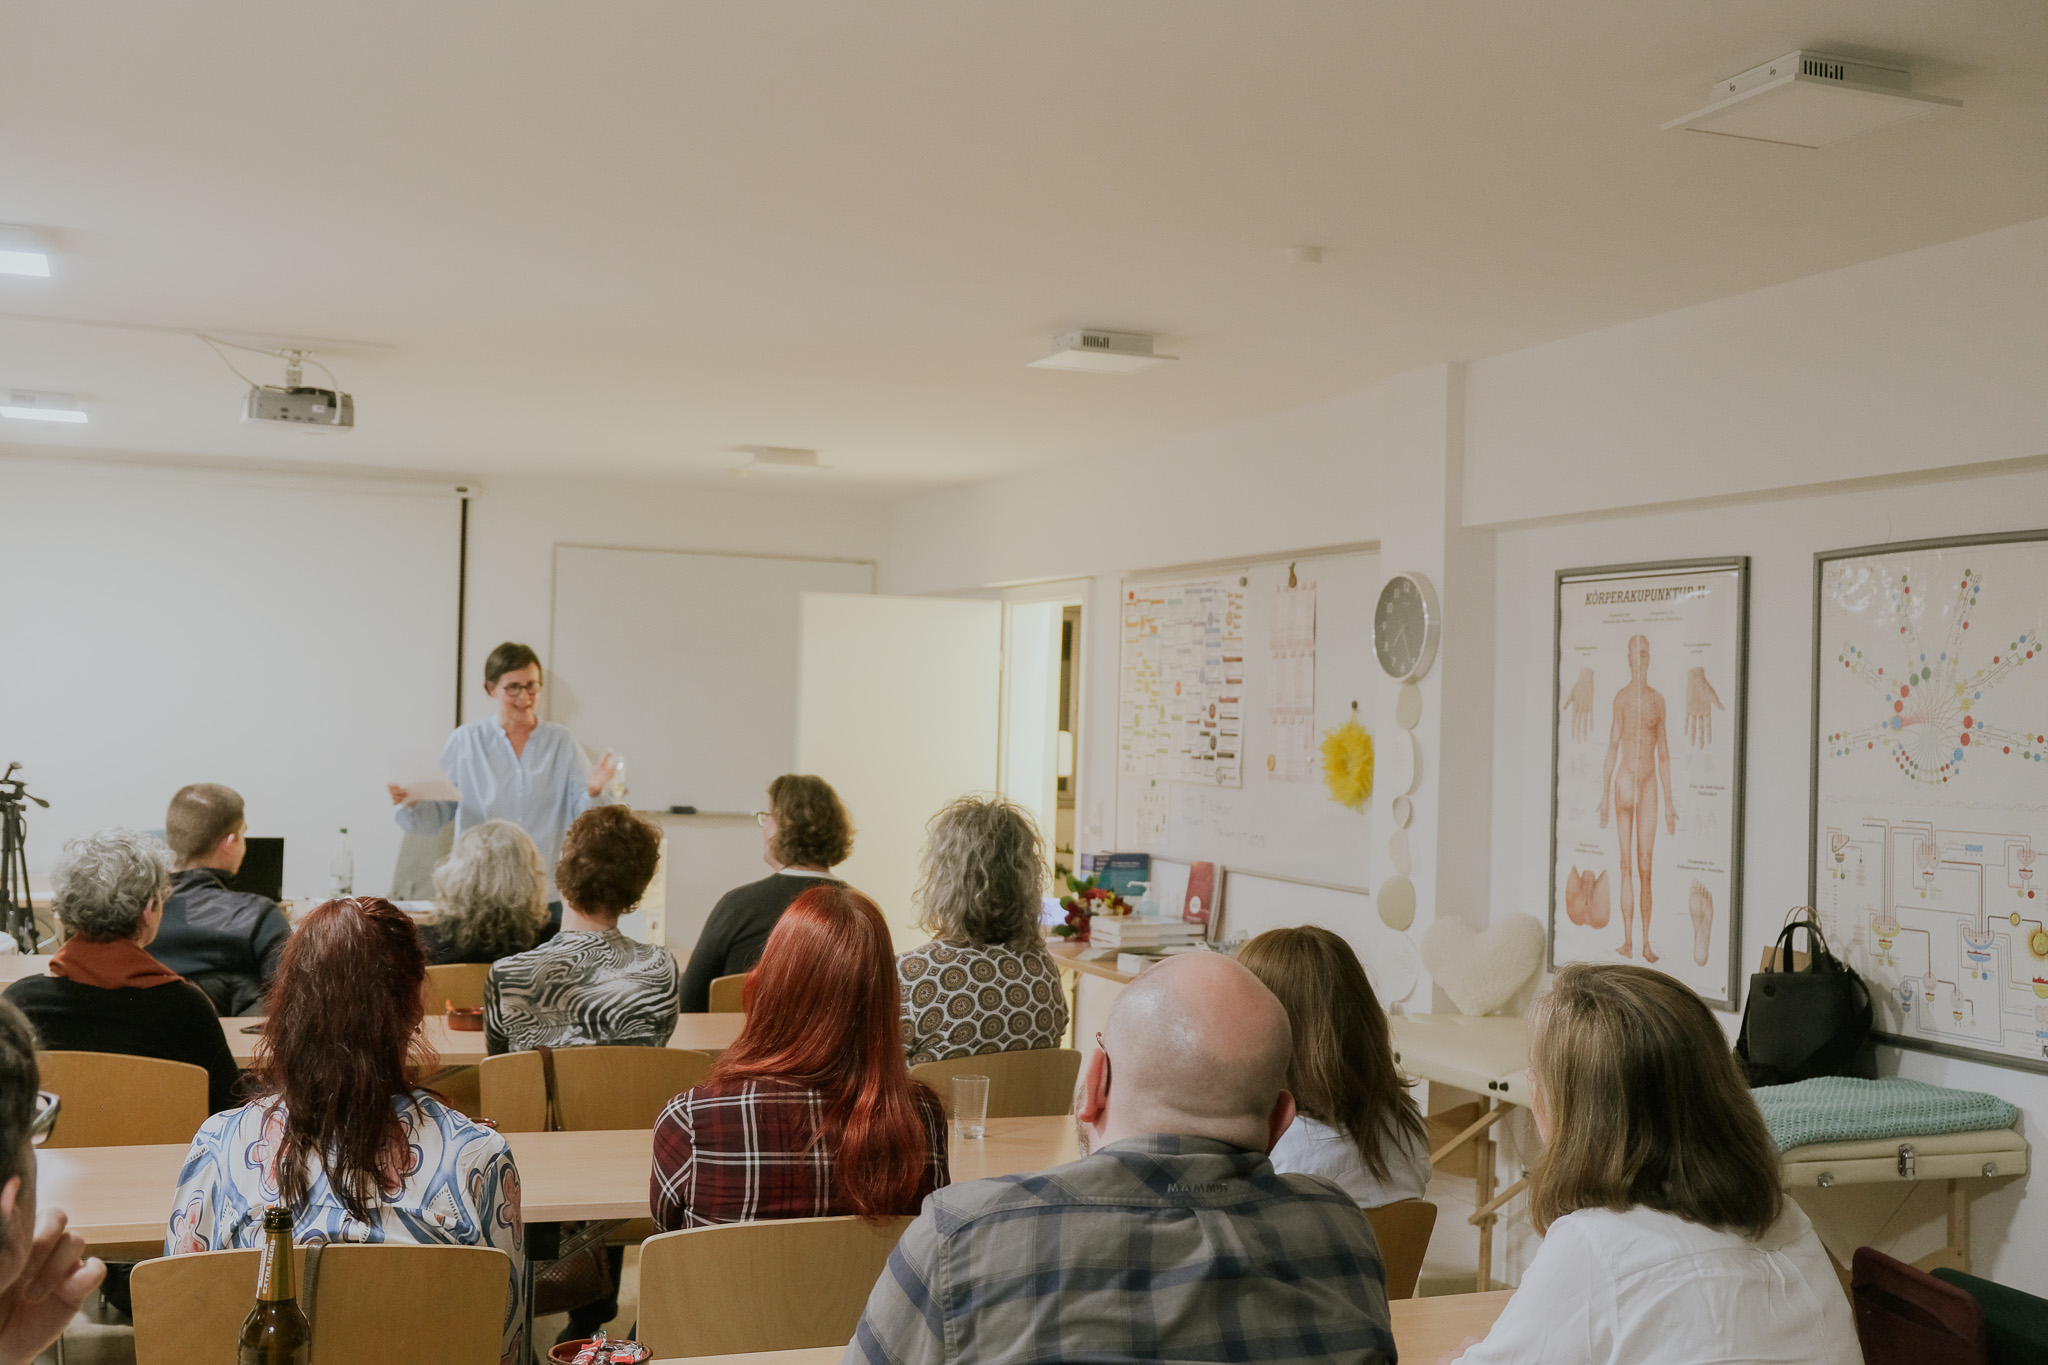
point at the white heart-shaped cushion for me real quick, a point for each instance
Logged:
(1481, 970)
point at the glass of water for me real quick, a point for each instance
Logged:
(970, 1107)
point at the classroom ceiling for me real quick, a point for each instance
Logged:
(623, 238)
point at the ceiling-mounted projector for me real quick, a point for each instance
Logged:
(300, 406)
(1104, 352)
(1809, 99)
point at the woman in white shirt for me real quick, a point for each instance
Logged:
(1667, 1237)
(1355, 1122)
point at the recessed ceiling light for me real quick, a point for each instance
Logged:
(23, 252)
(1102, 352)
(777, 460)
(1809, 99)
(42, 407)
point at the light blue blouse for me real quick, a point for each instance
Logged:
(542, 790)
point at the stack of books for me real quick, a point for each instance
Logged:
(1138, 933)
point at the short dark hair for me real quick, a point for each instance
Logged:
(608, 857)
(19, 1080)
(812, 828)
(509, 657)
(200, 816)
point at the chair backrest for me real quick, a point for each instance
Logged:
(391, 1301)
(1027, 1084)
(460, 984)
(1402, 1230)
(596, 1087)
(1904, 1316)
(728, 993)
(772, 1286)
(113, 1100)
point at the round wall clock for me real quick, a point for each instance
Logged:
(1404, 626)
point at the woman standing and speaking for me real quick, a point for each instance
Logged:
(514, 766)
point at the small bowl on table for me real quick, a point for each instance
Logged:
(565, 1352)
(465, 1020)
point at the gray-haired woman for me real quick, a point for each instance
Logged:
(104, 993)
(985, 982)
(490, 896)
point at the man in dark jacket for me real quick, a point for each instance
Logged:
(225, 942)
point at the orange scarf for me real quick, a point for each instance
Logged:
(119, 965)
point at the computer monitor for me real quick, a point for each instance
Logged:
(262, 869)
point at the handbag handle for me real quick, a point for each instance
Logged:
(547, 1076)
(1816, 942)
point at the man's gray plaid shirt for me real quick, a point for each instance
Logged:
(1154, 1248)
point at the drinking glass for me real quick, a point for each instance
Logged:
(970, 1107)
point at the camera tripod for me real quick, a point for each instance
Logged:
(17, 907)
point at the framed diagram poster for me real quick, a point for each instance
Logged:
(1930, 788)
(1646, 770)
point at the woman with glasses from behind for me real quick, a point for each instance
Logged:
(812, 1111)
(345, 1134)
(512, 765)
(45, 1275)
(1666, 1236)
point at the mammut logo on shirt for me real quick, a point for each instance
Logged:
(1182, 1187)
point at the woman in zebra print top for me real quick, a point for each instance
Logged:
(590, 985)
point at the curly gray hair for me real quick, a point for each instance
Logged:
(982, 874)
(103, 882)
(490, 892)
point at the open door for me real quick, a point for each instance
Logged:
(898, 701)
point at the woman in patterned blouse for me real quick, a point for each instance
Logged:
(985, 982)
(344, 1135)
(811, 1112)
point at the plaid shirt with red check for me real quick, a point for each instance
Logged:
(742, 1152)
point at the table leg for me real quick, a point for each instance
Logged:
(1482, 1195)
(1959, 1226)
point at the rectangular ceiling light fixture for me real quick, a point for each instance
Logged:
(23, 252)
(42, 407)
(1101, 351)
(1810, 99)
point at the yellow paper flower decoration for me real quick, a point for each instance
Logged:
(1347, 764)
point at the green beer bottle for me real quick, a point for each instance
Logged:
(276, 1332)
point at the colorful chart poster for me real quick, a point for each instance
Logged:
(1180, 697)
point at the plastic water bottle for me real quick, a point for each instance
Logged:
(341, 873)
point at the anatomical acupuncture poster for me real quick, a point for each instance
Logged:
(1646, 815)
(1930, 800)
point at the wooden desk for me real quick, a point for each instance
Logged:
(1425, 1330)
(1068, 956)
(123, 1194)
(712, 1033)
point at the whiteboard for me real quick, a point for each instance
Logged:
(686, 664)
(1290, 829)
(1252, 904)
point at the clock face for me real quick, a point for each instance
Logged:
(1402, 630)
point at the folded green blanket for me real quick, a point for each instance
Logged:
(1844, 1109)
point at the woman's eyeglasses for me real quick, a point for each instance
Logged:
(520, 689)
(47, 1105)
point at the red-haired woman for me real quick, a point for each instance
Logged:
(343, 1134)
(812, 1111)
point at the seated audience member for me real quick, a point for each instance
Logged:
(812, 1111)
(227, 943)
(590, 985)
(490, 896)
(344, 1134)
(44, 1273)
(805, 832)
(1666, 1235)
(1173, 1239)
(105, 993)
(1355, 1123)
(985, 983)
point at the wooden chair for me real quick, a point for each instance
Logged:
(728, 994)
(1026, 1084)
(454, 983)
(770, 1286)
(596, 1087)
(1402, 1229)
(1904, 1316)
(113, 1100)
(390, 1301)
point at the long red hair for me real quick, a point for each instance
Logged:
(822, 1008)
(341, 1043)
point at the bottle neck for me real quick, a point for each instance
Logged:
(278, 1280)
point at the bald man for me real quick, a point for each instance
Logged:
(1172, 1239)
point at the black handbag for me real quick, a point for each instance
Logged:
(1800, 1024)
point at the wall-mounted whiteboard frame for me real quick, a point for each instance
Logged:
(1250, 903)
